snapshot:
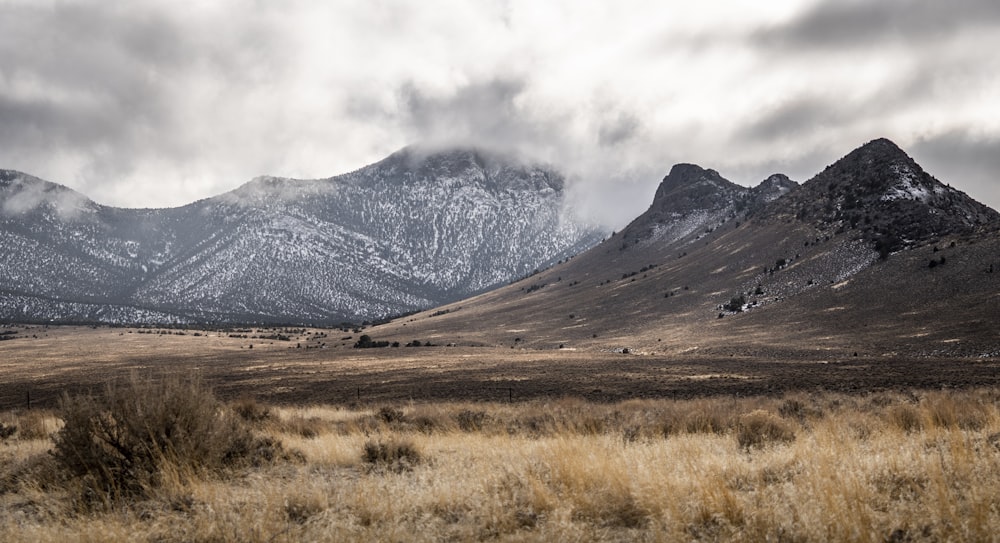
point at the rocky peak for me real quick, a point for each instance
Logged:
(772, 188)
(689, 197)
(689, 187)
(415, 165)
(689, 180)
(874, 169)
(879, 193)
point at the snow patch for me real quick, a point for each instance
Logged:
(907, 186)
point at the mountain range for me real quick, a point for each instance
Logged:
(415, 230)
(872, 255)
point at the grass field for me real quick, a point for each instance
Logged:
(922, 466)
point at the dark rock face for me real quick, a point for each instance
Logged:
(879, 193)
(691, 198)
(415, 230)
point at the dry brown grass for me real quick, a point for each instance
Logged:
(822, 467)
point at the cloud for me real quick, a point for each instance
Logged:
(618, 129)
(25, 195)
(149, 103)
(795, 117)
(965, 160)
(482, 112)
(861, 24)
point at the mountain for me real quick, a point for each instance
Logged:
(415, 230)
(880, 192)
(691, 198)
(872, 255)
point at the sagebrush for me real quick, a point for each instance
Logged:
(119, 443)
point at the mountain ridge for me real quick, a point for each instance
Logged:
(347, 248)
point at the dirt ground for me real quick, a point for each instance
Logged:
(320, 366)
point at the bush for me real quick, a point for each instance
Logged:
(799, 409)
(470, 421)
(33, 424)
(390, 415)
(120, 443)
(736, 304)
(760, 428)
(949, 411)
(250, 410)
(394, 455)
(905, 417)
(366, 342)
(307, 427)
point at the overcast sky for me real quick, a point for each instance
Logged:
(154, 104)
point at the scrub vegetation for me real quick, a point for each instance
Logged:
(166, 461)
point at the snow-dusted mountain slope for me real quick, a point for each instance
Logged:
(412, 231)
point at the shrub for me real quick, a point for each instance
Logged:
(760, 428)
(307, 427)
(395, 455)
(797, 408)
(35, 424)
(905, 417)
(299, 508)
(949, 411)
(249, 410)
(736, 304)
(705, 421)
(390, 415)
(470, 421)
(120, 443)
(366, 342)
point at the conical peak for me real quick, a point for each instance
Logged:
(881, 145)
(772, 188)
(777, 180)
(685, 173)
(878, 151)
(686, 177)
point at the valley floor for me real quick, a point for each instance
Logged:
(321, 367)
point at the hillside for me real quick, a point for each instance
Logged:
(413, 231)
(840, 264)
